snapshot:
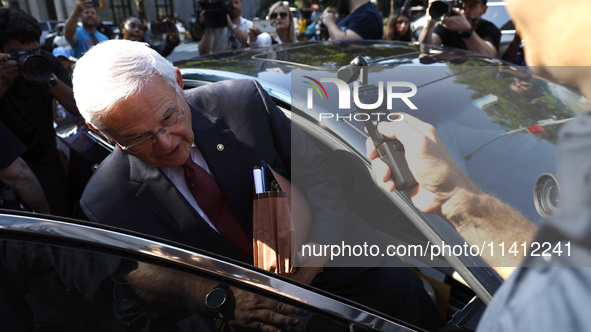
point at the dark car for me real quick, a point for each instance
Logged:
(498, 122)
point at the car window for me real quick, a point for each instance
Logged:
(60, 288)
(67, 277)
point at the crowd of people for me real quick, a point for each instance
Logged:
(133, 97)
(356, 20)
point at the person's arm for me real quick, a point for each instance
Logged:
(427, 35)
(511, 52)
(444, 190)
(335, 32)
(9, 71)
(240, 35)
(166, 47)
(205, 42)
(65, 95)
(477, 44)
(72, 22)
(19, 177)
(460, 24)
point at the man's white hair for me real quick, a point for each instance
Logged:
(111, 72)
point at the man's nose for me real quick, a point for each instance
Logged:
(163, 139)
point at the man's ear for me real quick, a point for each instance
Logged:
(484, 8)
(179, 78)
(98, 132)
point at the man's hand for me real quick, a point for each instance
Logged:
(458, 22)
(262, 314)
(172, 37)
(253, 32)
(439, 178)
(9, 71)
(81, 5)
(309, 266)
(327, 18)
(229, 20)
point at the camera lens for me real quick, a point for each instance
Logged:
(35, 67)
(546, 194)
(438, 10)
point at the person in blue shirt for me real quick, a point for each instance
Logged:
(83, 38)
(359, 19)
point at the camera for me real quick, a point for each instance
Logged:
(34, 67)
(214, 13)
(159, 28)
(440, 10)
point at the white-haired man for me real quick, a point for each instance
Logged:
(167, 137)
(544, 293)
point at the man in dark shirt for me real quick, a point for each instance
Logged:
(26, 106)
(466, 29)
(359, 20)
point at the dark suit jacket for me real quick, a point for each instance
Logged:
(127, 193)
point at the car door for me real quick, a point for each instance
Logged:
(64, 275)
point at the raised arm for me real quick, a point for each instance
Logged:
(72, 22)
(444, 190)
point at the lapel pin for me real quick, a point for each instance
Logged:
(220, 147)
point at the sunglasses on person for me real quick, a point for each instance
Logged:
(274, 15)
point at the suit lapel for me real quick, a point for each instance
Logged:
(160, 196)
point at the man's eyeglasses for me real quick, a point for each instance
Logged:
(274, 15)
(140, 144)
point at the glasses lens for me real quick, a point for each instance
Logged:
(143, 143)
(282, 15)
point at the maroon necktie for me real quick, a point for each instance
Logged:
(211, 200)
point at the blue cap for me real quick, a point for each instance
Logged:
(63, 51)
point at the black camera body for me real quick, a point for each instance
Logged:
(442, 9)
(214, 13)
(158, 28)
(34, 67)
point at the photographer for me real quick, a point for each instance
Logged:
(26, 93)
(133, 29)
(234, 36)
(464, 29)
